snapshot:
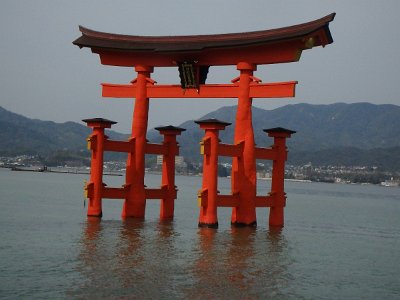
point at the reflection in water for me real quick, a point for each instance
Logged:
(126, 259)
(130, 258)
(332, 247)
(145, 259)
(96, 261)
(141, 259)
(241, 251)
(242, 263)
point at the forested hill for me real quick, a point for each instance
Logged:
(320, 129)
(324, 132)
(21, 135)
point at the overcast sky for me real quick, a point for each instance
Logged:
(44, 76)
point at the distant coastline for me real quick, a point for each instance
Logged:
(86, 171)
(64, 170)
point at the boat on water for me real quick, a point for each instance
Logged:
(390, 183)
(30, 169)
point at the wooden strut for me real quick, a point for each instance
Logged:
(257, 90)
(209, 198)
(123, 146)
(269, 153)
(96, 190)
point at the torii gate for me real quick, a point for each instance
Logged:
(193, 55)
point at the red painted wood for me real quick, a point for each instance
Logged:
(259, 90)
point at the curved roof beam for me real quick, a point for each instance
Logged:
(259, 47)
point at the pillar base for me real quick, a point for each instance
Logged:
(276, 227)
(208, 225)
(130, 217)
(276, 216)
(240, 224)
(95, 215)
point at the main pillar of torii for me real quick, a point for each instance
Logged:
(193, 56)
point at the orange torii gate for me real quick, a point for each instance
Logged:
(193, 55)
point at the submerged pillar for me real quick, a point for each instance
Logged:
(135, 201)
(209, 193)
(244, 179)
(276, 213)
(171, 149)
(96, 142)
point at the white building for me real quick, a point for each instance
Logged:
(179, 161)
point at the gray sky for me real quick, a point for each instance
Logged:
(44, 76)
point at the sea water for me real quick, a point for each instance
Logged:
(339, 242)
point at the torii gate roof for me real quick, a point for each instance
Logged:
(259, 47)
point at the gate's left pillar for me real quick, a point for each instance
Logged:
(96, 145)
(135, 201)
(209, 193)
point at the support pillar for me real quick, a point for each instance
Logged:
(135, 202)
(168, 169)
(244, 180)
(96, 144)
(276, 213)
(208, 206)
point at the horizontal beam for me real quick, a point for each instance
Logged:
(228, 200)
(265, 153)
(119, 146)
(160, 193)
(230, 150)
(273, 90)
(264, 201)
(114, 193)
(273, 199)
(222, 200)
(257, 90)
(159, 149)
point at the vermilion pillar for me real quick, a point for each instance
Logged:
(96, 145)
(168, 169)
(208, 211)
(276, 216)
(135, 202)
(244, 168)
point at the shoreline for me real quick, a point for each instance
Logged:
(120, 173)
(54, 170)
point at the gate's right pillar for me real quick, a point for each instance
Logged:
(276, 213)
(244, 168)
(135, 201)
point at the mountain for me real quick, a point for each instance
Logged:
(386, 159)
(349, 134)
(319, 127)
(21, 135)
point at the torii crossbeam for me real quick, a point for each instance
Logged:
(257, 90)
